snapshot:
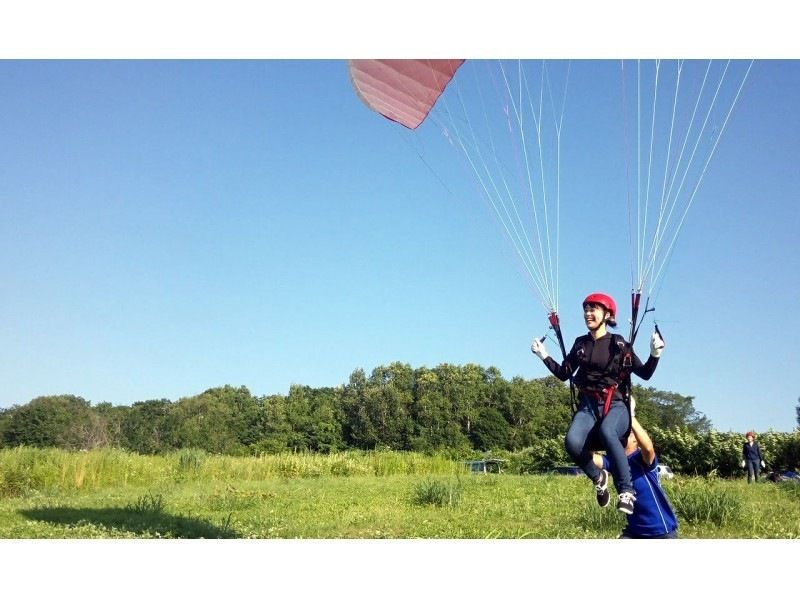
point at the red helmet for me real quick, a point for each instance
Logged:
(749, 435)
(604, 300)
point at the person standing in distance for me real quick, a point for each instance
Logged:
(752, 457)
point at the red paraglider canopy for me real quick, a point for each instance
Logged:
(402, 90)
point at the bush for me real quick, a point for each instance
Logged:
(781, 450)
(721, 452)
(437, 493)
(546, 453)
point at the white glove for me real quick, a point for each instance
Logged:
(762, 464)
(742, 463)
(537, 347)
(656, 345)
(633, 407)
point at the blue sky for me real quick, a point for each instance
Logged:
(170, 226)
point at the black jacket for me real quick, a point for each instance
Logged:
(752, 453)
(597, 364)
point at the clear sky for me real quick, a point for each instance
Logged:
(170, 226)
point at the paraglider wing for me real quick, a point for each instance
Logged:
(402, 90)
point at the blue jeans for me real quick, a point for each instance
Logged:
(753, 469)
(609, 430)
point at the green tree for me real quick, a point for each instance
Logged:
(325, 434)
(5, 421)
(220, 420)
(277, 430)
(438, 421)
(389, 399)
(308, 419)
(429, 412)
(63, 421)
(462, 388)
(797, 412)
(668, 410)
(108, 420)
(490, 430)
(148, 427)
(377, 410)
(537, 409)
(359, 429)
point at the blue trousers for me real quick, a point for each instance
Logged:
(753, 469)
(609, 430)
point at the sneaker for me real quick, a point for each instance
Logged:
(625, 503)
(601, 487)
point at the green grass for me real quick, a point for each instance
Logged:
(113, 494)
(698, 500)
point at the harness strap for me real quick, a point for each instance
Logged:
(624, 375)
(603, 397)
(609, 393)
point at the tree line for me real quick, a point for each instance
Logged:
(458, 409)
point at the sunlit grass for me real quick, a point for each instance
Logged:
(114, 494)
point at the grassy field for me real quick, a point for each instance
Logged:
(114, 494)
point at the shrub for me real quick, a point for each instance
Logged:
(437, 493)
(546, 453)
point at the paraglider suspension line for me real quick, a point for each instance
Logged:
(555, 324)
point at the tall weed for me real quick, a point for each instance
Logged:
(147, 504)
(190, 462)
(705, 501)
(27, 469)
(438, 493)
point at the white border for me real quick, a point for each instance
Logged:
(433, 28)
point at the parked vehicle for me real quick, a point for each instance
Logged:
(485, 465)
(566, 470)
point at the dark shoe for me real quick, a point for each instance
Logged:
(625, 503)
(601, 488)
